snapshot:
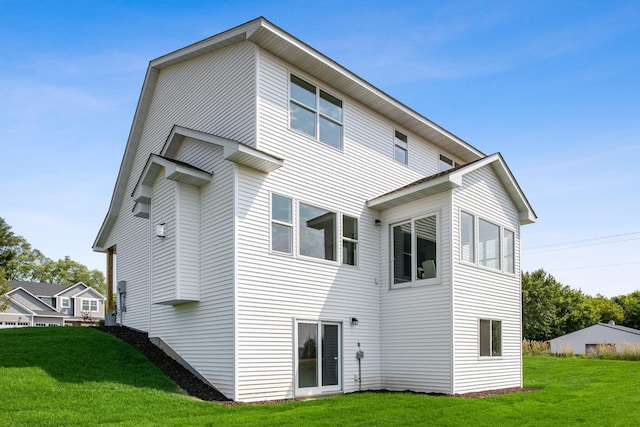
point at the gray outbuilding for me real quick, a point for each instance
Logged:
(593, 338)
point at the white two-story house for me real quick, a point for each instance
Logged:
(288, 229)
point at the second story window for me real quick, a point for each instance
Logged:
(64, 303)
(281, 224)
(317, 232)
(488, 244)
(446, 163)
(401, 148)
(349, 240)
(315, 112)
(89, 305)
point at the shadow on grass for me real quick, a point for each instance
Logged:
(77, 355)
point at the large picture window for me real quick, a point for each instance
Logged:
(490, 338)
(414, 250)
(488, 244)
(281, 224)
(493, 246)
(317, 232)
(315, 112)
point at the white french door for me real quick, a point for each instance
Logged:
(318, 361)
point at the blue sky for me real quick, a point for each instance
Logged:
(554, 86)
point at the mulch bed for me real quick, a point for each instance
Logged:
(195, 387)
(184, 379)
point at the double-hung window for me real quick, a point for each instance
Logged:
(281, 224)
(64, 303)
(414, 250)
(490, 338)
(401, 148)
(317, 232)
(89, 305)
(315, 112)
(349, 240)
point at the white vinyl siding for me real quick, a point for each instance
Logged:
(416, 321)
(483, 293)
(213, 93)
(191, 328)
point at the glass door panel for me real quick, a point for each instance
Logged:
(330, 355)
(307, 355)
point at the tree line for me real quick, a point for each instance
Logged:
(551, 309)
(20, 261)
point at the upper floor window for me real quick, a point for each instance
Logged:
(508, 251)
(495, 244)
(488, 244)
(315, 112)
(64, 302)
(401, 148)
(349, 240)
(281, 224)
(317, 232)
(467, 237)
(490, 338)
(446, 163)
(414, 250)
(89, 305)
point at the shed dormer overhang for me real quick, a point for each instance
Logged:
(234, 151)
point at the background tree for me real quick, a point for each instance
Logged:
(4, 301)
(631, 307)
(19, 261)
(541, 294)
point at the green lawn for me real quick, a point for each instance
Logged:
(80, 376)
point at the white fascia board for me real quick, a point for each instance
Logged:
(496, 161)
(415, 192)
(233, 151)
(89, 290)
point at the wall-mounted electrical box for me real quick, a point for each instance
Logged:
(122, 287)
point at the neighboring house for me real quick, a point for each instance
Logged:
(593, 338)
(26, 309)
(76, 304)
(275, 218)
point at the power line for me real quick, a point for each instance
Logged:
(595, 266)
(583, 243)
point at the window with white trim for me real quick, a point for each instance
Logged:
(508, 251)
(349, 240)
(490, 338)
(414, 250)
(488, 244)
(315, 112)
(446, 163)
(65, 303)
(89, 305)
(467, 237)
(317, 232)
(401, 148)
(281, 224)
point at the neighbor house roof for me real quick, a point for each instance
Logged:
(39, 289)
(451, 179)
(280, 43)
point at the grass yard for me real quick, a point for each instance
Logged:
(80, 376)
